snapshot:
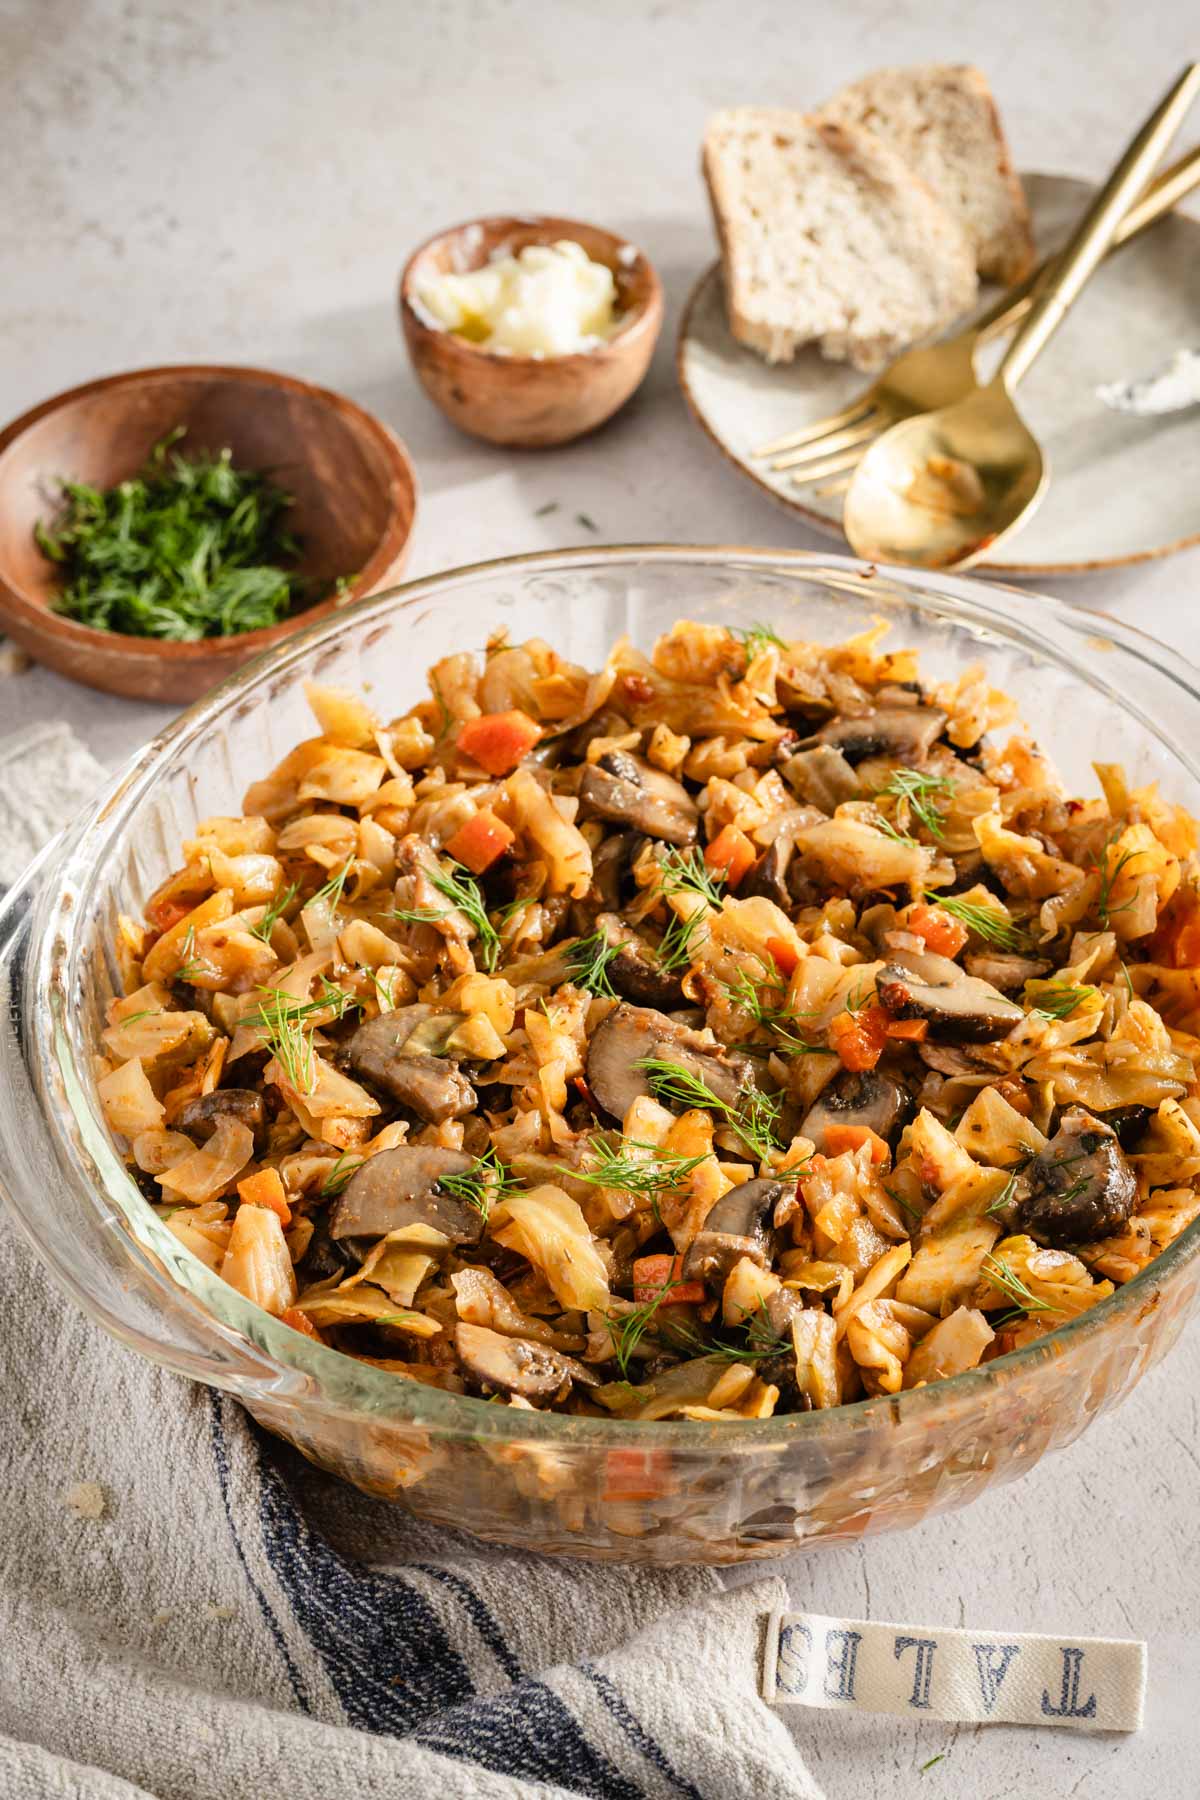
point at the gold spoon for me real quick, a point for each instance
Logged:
(939, 491)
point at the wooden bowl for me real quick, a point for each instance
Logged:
(355, 501)
(530, 401)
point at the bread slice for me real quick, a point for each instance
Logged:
(943, 120)
(827, 235)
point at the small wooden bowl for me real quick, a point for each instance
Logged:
(355, 501)
(530, 401)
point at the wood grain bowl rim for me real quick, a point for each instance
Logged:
(403, 498)
(642, 319)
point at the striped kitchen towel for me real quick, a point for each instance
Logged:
(191, 1612)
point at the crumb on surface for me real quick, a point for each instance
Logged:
(13, 660)
(219, 1612)
(86, 1499)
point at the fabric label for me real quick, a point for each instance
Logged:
(941, 1672)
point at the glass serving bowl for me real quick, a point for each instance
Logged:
(544, 1481)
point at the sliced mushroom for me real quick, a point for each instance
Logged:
(198, 1118)
(324, 1258)
(609, 864)
(822, 777)
(515, 1365)
(399, 1053)
(634, 971)
(907, 733)
(869, 1098)
(1128, 1122)
(1004, 970)
(960, 1008)
(630, 1034)
(629, 791)
(397, 1190)
(1081, 1187)
(768, 877)
(738, 1225)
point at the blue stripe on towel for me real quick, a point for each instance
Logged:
(530, 1734)
(396, 1672)
(636, 1732)
(385, 1652)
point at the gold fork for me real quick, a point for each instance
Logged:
(923, 380)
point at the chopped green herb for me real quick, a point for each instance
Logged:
(588, 524)
(274, 913)
(587, 960)
(941, 1757)
(333, 889)
(1057, 1000)
(483, 1184)
(187, 548)
(549, 507)
(757, 638)
(898, 1200)
(1108, 874)
(457, 885)
(762, 1340)
(909, 788)
(1024, 1301)
(987, 922)
(754, 1118)
(285, 1023)
(628, 1329)
(612, 1166)
(686, 872)
(339, 1175)
(1003, 1200)
(188, 963)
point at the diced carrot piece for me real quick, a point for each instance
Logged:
(632, 1474)
(301, 1322)
(1186, 948)
(942, 932)
(266, 1189)
(839, 1138)
(784, 955)
(477, 843)
(858, 1038)
(731, 855)
(912, 1031)
(655, 1275)
(498, 741)
(167, 912)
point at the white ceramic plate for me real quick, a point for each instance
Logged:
(1122, 489)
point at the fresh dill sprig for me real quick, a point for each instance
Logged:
(756, 638)
(285, 1023)
(275, 911)
(628, 1329)
(754, 1118)
(762, 1340)
(333, 889)
(459, 887)
(1003, 1200)
(188, 964)
(339, 1175)
(1105, 910)
(987, 922)
(587, 959)
(612, 1166)
(898, 1199)
(686, 872)
(908, 787)
(1002, 1275)
(1058, 1000)
(777, 1019)
(483, 1184)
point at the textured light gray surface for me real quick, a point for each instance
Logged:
(237, 182)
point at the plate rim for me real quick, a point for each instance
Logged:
(830, 527)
